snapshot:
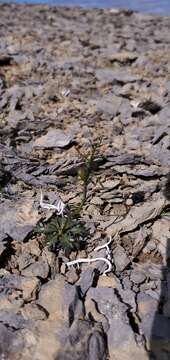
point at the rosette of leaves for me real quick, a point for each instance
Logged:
(63, 233)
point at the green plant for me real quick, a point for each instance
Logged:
(67, 232)
(86, 170)
(166, 211)
(63, 233)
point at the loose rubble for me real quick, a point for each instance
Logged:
(69, 77)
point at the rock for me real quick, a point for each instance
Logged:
(109, 105)
(73, 303)
(120, 258)
(146, 304)
(123, 57)
(105, 281)
(42, 341)
(129, 202)
(11, 344)
(24, 260)
(54, 138)
(39, 269)
(111, 184)
(128, 297)
(137, 277)
(18, 219)
(51, 297)
(71, 275)
(33, 312)
(161, 233)
(84, 342)
(14, 321)
(34, 248)
(120, 335)
(78, 85)
(156, 326)
(19, 285)
(96, 201)
(86, 280)
(107, 76)
(154, 271)
(30, 287)
(138, 215)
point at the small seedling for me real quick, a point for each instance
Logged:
(86, 170)
(63, 233)
(166, 211)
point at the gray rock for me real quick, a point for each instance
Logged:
(127, 283)
(53, 138)
(32, 311)
(128, 297)
(85, 341)
(51, 296)
(154, 271)
(18, 219)
(109, 105)
(10, 344)
(146, 304)
(155, 326)
(15, 321)
(24, 260)
(86, 280)
(137, 277)
(39, 269)
(73, 302)
(107, 76)
(120, 258)
(17, 285)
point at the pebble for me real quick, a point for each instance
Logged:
(137, 277)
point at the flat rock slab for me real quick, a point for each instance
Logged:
(18, 219)
(54, 138)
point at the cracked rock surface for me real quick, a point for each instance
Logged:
(69, 77)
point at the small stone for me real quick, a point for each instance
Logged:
(38, 269)
(106, 281)
(121, 260)
(34, 248)
(86, 280)
(63, 269)
(53, 138)
(24, 260)
(129, 202)
(33, 312)
(30, 287)
(137, 277)
(72, 276)
(111, 184)
(150, 246)
(51, 296)
(146, 304)
(96, 201)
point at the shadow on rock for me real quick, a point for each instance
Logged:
(159, 332)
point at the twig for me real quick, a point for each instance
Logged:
(88, 260)
(104, 245)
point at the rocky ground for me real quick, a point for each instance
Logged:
(70, 78)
